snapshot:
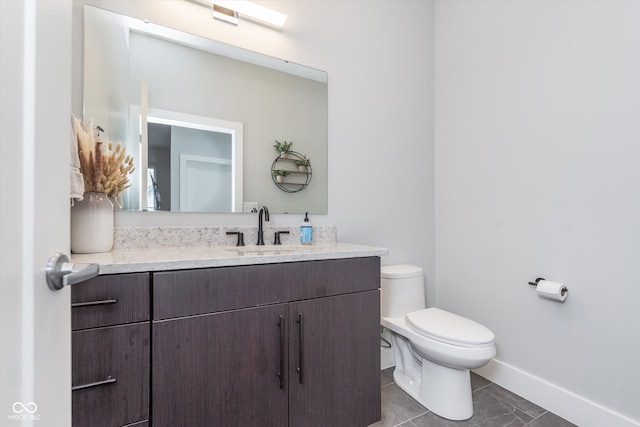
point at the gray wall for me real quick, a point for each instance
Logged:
(537, 172)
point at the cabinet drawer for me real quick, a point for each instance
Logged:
(313, 279)
(110, 375)
(186, 293)
(110, 300)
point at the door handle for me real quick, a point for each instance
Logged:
(60, 272)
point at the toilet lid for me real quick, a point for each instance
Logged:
(450, 328)
(401, 271)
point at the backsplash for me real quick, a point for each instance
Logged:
(164, 237)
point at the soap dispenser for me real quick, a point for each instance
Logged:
(306, 231)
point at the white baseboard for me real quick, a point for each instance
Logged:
(561, 402)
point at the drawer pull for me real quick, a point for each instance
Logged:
(299, 369)
(91, 303)
(281, 342)
(109, 380)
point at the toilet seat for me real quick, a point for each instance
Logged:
(449, 328)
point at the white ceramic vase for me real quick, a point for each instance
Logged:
(92, 224)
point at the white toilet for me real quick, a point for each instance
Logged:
(433, 349)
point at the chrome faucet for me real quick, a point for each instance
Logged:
(266, 218)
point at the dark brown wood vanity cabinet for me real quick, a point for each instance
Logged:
(292, 344)
(110, 347)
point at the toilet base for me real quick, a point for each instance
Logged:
(442, 390)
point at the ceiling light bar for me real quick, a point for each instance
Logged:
(224, 14)
(251, 10)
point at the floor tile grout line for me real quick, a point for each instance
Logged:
(480, 388)
(413, 418)
(409, 419)
(536, 417)
(515, 406)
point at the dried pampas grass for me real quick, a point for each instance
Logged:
(103, 166)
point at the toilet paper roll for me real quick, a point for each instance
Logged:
(552, 290)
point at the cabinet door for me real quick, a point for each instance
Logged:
(221, 369)
(334, 370)
(110, 375)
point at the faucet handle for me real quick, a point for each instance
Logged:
(240, 234)
(276, 239)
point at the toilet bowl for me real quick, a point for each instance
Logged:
(433, 349)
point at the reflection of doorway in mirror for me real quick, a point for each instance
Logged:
(172, 135)
(169, 145)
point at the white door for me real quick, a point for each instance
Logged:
(35, 83)
(205, 184)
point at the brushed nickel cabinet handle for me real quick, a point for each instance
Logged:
(92, 303)
(109, 380)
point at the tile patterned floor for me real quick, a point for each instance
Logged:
(493, 405)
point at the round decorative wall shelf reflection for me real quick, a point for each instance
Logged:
(296, 179)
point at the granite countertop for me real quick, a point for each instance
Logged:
(181, 258)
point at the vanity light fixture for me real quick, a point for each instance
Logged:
(224, 14)
(229, 10)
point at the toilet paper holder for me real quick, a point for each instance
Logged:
(535, 283)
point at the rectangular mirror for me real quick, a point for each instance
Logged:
(201, 117)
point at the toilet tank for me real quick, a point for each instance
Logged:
(401, 290)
